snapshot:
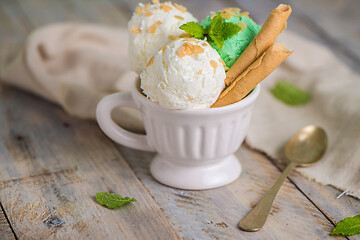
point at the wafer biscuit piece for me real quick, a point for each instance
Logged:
(253, 75)
(273, 26)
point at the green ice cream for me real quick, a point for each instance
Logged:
(235, 45)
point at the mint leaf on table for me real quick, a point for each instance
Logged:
(194, 29)
(290, 94)
(348, 227)
(112, 201)
(218, 31)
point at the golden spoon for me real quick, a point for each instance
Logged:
(305, 148)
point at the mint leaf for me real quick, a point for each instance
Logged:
(111, 200)
(229, 29)
(220, 31)
(194, 29)
(290, 94)
(215, 31)
(348, 227)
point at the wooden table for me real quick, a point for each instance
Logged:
(51, 164)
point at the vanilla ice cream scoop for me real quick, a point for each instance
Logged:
(185, 74)
(152, 26)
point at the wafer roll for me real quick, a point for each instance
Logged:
(253, 75)
(273, 26)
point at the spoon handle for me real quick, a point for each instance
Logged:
(256, 218)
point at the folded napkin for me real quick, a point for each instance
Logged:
(75, 65)
(335, 91)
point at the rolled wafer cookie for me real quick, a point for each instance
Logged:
(253, 75)
(273, 26)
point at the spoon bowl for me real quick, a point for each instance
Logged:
(307, 146)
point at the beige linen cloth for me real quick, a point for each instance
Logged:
(75, 65)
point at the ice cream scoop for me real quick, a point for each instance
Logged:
(185, 74)
(235, 45)
(152, 26)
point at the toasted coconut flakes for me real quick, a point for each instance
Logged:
(188, 49)
(243, 14)
(242, 25)
(185, 35)
(181, 51)
(138, 10)
(212, 13)
(232, 9)
(213, 64)
(226, 15)
(189, 45)
(157, 8)
(148, 14)
(197, 50)
(172, 37)
(180, 8)
(147, 6)
(179, 17)
(220, 60)
(150, 62)
(163, 48)
(155, 1)
(166, 8)
(204, 44)
(135, 30)
(226, 68)
(152, 28)
(211, 18)
(199, 72)
(159, 22)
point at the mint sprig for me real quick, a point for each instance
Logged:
(218, 31)
(348, 227)
(112, 201)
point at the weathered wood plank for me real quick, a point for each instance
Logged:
(214, 214)
(13, 33)
(325, 198)
(5, 229)
(52, 166)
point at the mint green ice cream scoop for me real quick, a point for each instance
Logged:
(235, 45)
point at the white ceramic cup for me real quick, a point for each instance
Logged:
(194, 147)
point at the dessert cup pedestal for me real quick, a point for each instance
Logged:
(200, 177)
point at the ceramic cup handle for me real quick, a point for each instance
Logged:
(114, 131)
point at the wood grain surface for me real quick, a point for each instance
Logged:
(51, 164)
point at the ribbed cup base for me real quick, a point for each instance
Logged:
(202, 177)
